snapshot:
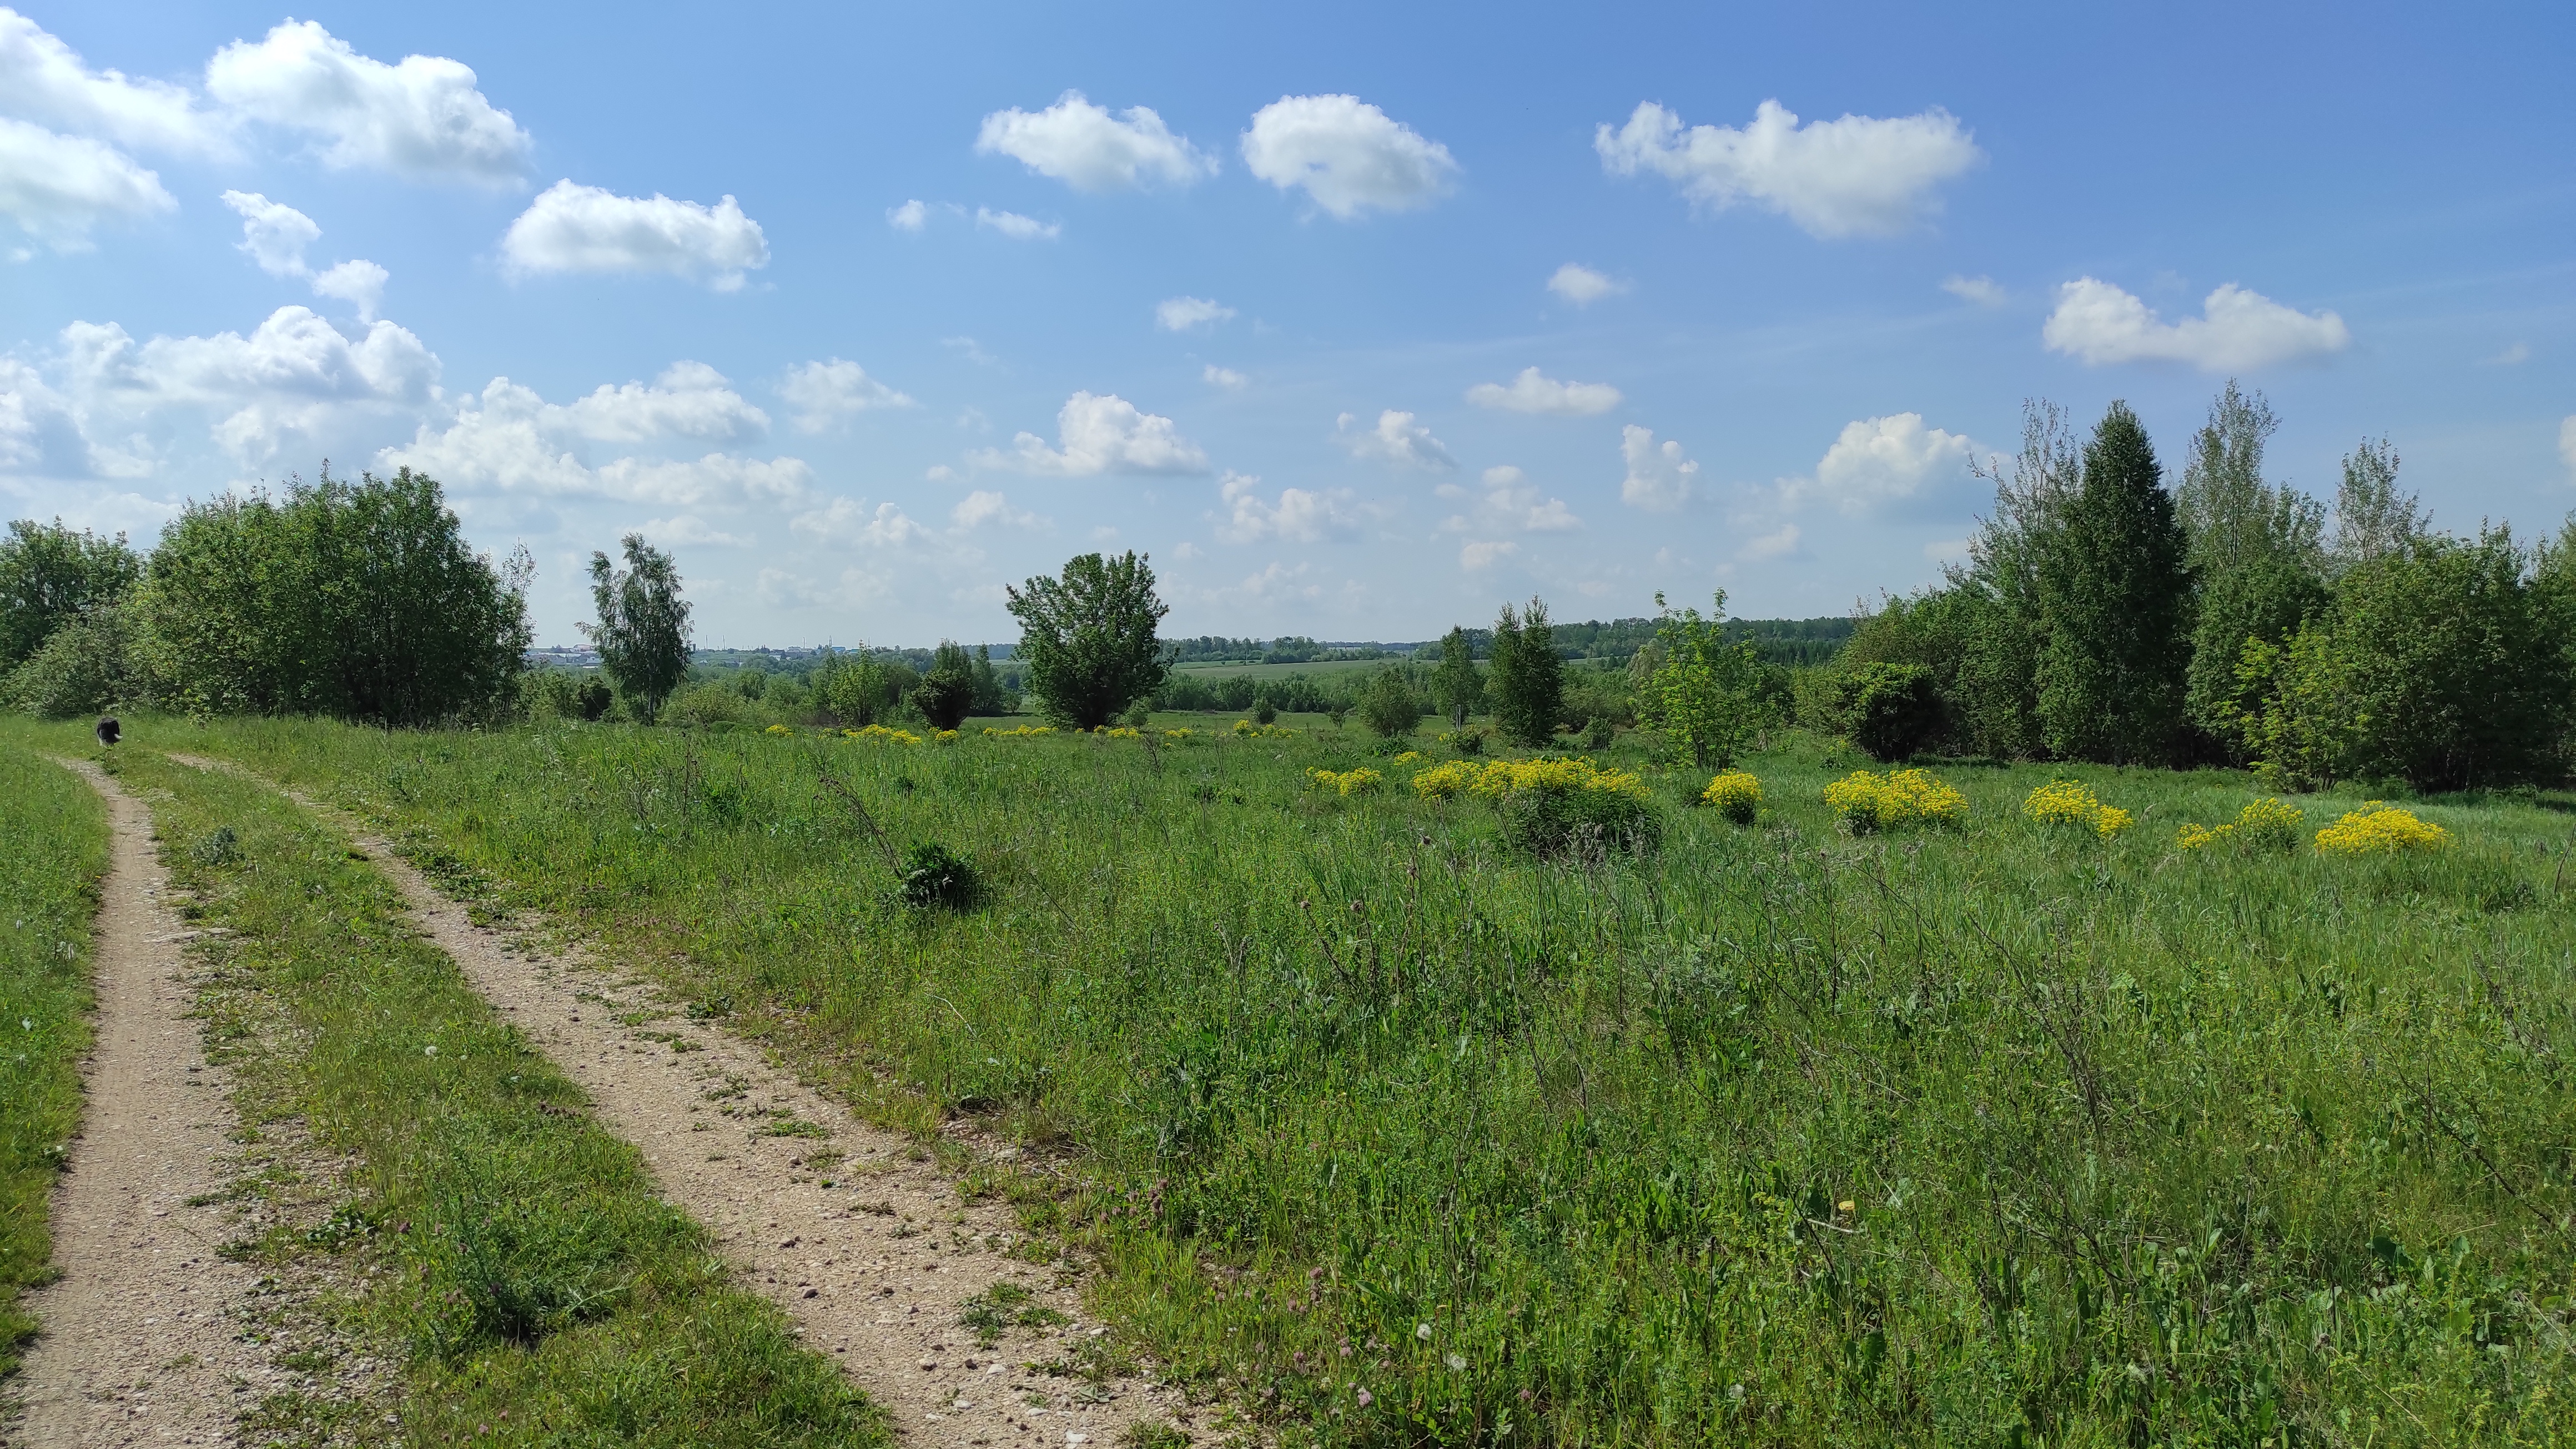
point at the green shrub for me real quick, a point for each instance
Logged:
(1389, 706)
(932, 876)
(708, 704)
(1892, 711)
(84, 667)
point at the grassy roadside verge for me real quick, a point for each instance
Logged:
(53, 853)
(511, 1253)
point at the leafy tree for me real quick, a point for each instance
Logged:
(2372, 518)
(854, 688)
(990, 695)
(2114, 596)
(947, 693)
(1389, 705)
(1087, 637)
(2437, 664)
(1455, 684)
(1528, 684)
(2256, 554)
(85, 666)
(359, 600)
(1892, 711)
(643, 629)
(50, 575)
(1983, 630)
(1705, 696)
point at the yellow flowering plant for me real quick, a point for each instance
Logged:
(881, 735)
(1022, 732)
(1736, 795)
(1866, 802)
(1345, 782)
(2265, 825)
(2378, 828)
(2072, 802)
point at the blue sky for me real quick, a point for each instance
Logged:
(1382, 316)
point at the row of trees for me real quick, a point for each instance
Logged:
(2104, 616)
(357, 599)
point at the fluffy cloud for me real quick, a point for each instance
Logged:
(42, 79)
(911, 216)
(689, 400)
(1180, 314)
(831, 392)
(687, 528)
(846, 520)
(1858, 176)
(1509, 501)
(273, 233)
(2567, 442)
(361, 284)
(40, 434)
(1660, 479)
(511, 440)
(1100, 434)
(421, 119)
(1224, 377)
(1348, 155)
(1088, 149)
(985, 508)
(571, 228)
(1778, 543)
(1484, 553)
(295, 372)
(57, 187)
(1581, 285)
(1300, 516)
(1532, 393)
(2097, 323)
(1980, 290)
(1881, 460)
(1397, 439)
(1017, 227)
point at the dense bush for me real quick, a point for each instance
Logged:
(946, 695)
(1527, 686)
(358, 600)
(1892, 711)
(50, 576)
(85, 666)
(1389, 706)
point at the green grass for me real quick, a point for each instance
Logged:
(520, 1264)
(2138, 1147)
(53, 853)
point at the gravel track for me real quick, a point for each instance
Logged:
(143, 1334)
(873, 1270)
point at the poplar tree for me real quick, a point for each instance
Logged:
(2114, 603)
(1528, 686)
(1455, 683)
(2256, 556)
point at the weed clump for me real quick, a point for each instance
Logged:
(1736, 796)
(2381, 829)
(1345, 782)
(1866, 803)
(2266, 826)
(2071, 802)
(1001, 1307)
(933, 877)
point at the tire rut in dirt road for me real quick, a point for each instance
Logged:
(874, 1271)
(143, 1334)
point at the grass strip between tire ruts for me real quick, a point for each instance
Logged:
(516, 1254)
(53, 854)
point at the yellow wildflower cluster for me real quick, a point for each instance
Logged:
(2380, 829)
(1122, 732)
(1504, 777)
(1249, 730)
(1737, 796)
(2071, 802)
(882, 735)
(1868, 802)
(1023, 732)
(778, 730)
(1408, 757)
(946, 737)
(1347, 782)
(1179, 734)
(2266, 824)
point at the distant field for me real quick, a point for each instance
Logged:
(1282, 671)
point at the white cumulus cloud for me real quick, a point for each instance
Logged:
(1881, 460)
(1660, 478)
(1581, 285)
(571, 228)
(1531, 392)
(1224, 377)
(1300, 516)
(273, 233)
(827, 393)
(689, 400)
(847, 520)
(1981, 290)
(1509, 501)
(1485, 553)
(911, 216)
(421, 118)
(1100, 434)
(1017, 227)
(685, 529)
(1180, 314)
(1088, 149)
(2098, 323)
(1857, 176)
(294, 373)
(1347, 154)
(986, 508)
(1778, 543)
(1397, 439)
(56, 188)
(359, 283)
(42, 79)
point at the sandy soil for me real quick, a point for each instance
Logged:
(873, 1256)
(143, 1333)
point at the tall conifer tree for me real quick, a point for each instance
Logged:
(2115, 603)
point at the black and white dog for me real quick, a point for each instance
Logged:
(107, 730)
